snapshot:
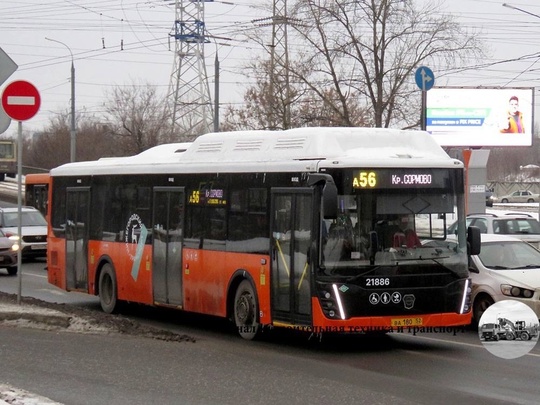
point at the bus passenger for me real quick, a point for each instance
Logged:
(406, 236)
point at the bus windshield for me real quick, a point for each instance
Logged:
(385, 228)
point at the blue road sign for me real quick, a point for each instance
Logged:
(424, 77)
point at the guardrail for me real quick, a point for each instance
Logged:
(9, 189)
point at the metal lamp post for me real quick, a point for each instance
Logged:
(73, 133)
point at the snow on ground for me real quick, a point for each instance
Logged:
(14, 396)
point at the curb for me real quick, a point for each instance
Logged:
(49, 319)
(14, 312)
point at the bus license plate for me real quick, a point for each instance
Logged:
(397, 322)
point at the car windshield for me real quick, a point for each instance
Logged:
(29, 218)
(506, 255)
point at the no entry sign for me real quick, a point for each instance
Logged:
(21, 100)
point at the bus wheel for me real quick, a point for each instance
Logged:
(245, 311)
(107, 289)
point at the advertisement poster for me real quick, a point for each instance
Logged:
(480, 116)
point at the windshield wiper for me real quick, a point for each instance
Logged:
(528, 266)
(356, 277)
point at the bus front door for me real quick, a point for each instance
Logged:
(168, 224)
(291, 239)
(77, 217)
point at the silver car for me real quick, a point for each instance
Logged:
(8, 253)
(33, 229)
(519, 225)
(506, 268)
(521, 196)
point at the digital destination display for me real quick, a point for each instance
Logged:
(400, 178)
(207, 197)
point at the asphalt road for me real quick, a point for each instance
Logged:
(284, 367)
(220, 368)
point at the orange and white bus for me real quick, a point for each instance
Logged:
(36, 191)
(266, 228)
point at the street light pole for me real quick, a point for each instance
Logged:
(520, 9)
(73, 133)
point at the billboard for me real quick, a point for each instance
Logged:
(458, 116)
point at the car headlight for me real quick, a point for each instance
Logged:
(15, 239)
(513, 291)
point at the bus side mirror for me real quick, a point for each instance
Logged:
(329, 194)
(330, 204)
(473, 240)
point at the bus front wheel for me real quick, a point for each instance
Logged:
(107, 289)
(245, 311)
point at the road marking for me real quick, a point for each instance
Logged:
(34, 275)
(479, 345)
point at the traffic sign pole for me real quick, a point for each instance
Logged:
(21, 101)
(19, 211)
(425, 79)
(423, 111)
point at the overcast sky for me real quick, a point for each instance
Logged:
(119, 42)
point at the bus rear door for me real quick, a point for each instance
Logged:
(77, 220)
(292, 223)
(168, 225)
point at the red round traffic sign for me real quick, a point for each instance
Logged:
(21, 100)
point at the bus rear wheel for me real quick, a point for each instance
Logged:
(107, 289)
(245, 311)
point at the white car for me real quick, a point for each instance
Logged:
(521, 196)
(519, 225)
(33, 229)
(506, 268)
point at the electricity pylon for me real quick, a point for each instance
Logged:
(188, 98)
(279, 60)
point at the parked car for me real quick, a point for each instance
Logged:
(8, 253)
(33, 229)
(490, 198)
(520, 225)
(507, 268)
(522, 196)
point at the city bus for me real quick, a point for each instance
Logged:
(36, 191)
(8, 158)
(270, 229)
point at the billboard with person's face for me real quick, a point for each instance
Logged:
(480, 116)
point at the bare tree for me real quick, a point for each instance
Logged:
(136, 117)
(266, 108)
(373, 47)
(365, 52)
(51, 147)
